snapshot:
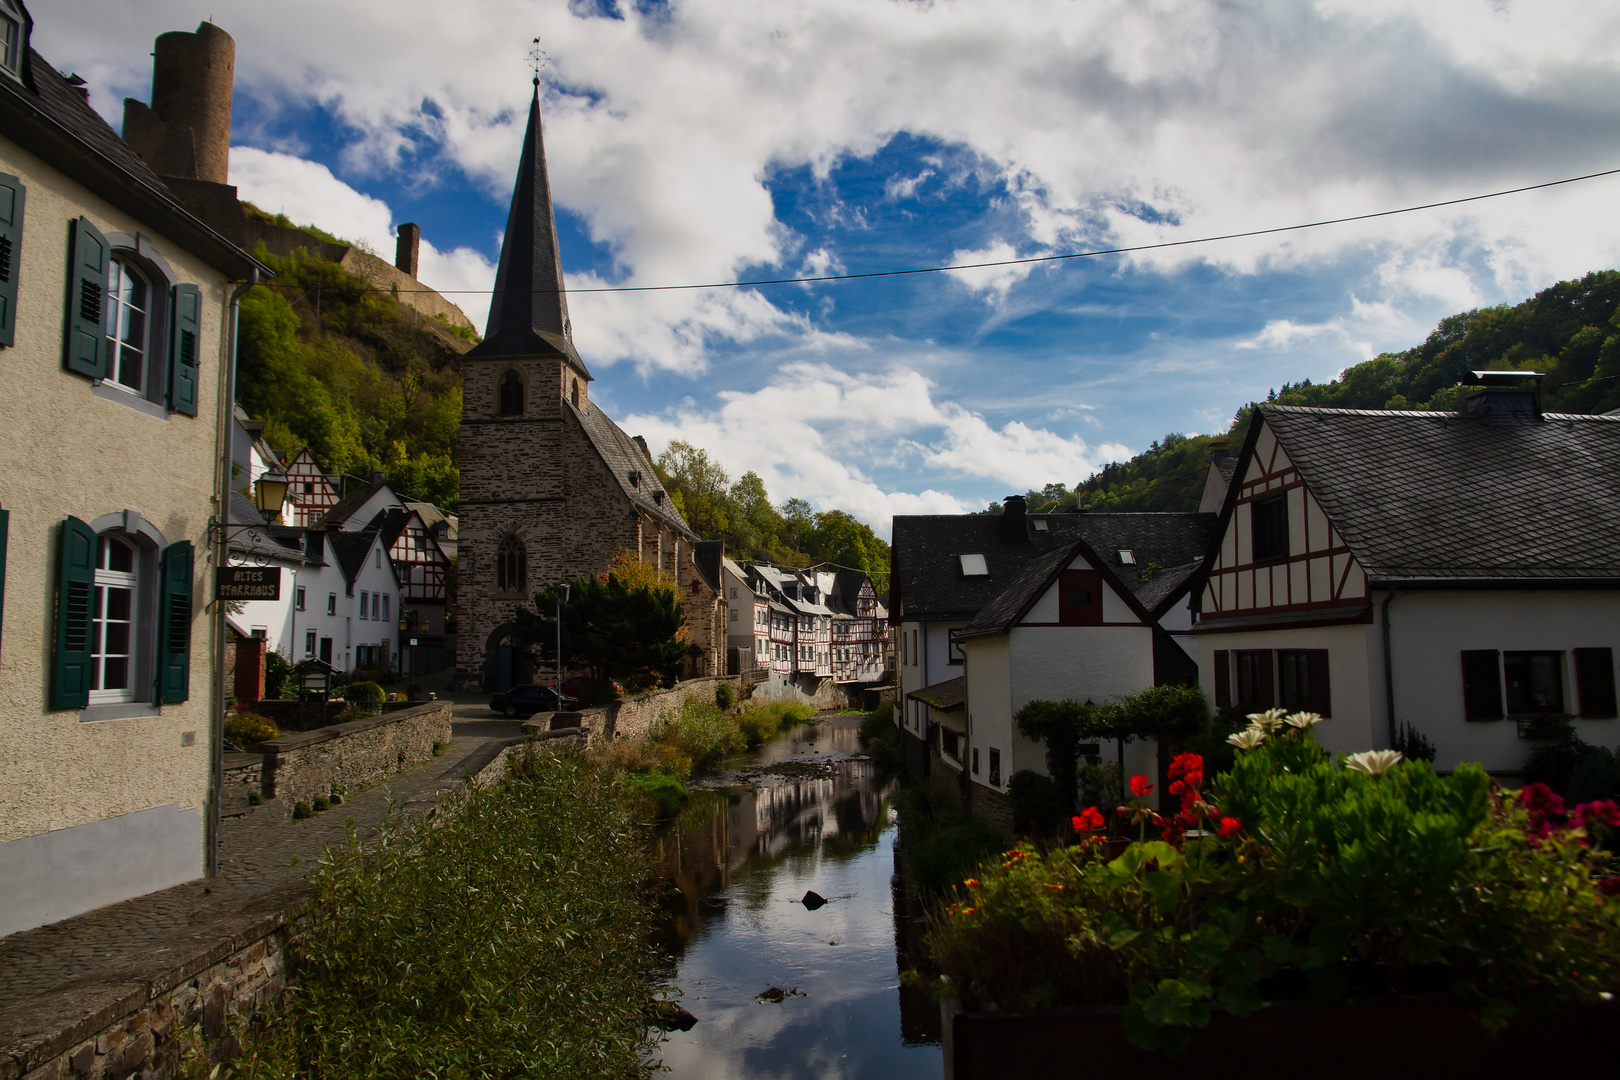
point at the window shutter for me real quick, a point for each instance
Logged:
(5, 519)
(183, 349)
(11, 219)
(1317, 667)
(76, 584)
(1594, 671)
(87, 287)
(1268, 684)
(1223, 679)
(174, 624)
(1482, 684)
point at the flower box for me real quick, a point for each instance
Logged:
(1285, 1040)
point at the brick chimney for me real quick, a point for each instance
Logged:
(1503, 395)
(408, 247)
(1012, 520)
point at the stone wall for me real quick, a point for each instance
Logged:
(301, 766)
(138, 1021)
(309, 715)
(991, 807)
(637, 717)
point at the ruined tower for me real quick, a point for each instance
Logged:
(186, 131)
(550, 486)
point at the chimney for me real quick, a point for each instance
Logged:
(378, 479)
(315, 544)
(408, 247)
(1012, 520)
(1503, 395)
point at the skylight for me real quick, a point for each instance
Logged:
(1127, 557)
(975, 566)
(1040, 525)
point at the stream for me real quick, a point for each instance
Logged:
(803, 813)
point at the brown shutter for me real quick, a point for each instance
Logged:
(1223, 679)
(1268, 683)
(1594, 675)
(1320, 699)
(1482, 684)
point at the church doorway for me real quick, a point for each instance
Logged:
(507, 662)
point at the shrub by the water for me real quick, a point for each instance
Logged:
(245, 729)
(881, 739)
(725, 695)
(941, 845)
(506, 936)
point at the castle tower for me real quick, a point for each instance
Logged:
(550, 486)
(186, 131)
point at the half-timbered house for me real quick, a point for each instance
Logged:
(310, 491)
(1455, 572)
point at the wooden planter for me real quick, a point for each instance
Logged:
(1369, 1040)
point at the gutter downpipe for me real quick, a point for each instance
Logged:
(1389, 671)
(227, 414)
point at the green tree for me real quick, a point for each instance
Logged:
(698, 486)
(612, 624)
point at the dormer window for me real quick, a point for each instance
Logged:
(635, 478)
(14, 26)
(974, 565)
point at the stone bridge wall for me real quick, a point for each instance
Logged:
(306, 764)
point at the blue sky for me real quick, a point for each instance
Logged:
(719, 140)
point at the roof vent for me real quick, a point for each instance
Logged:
(974, 565)
(1127, 557)
(1503, 395)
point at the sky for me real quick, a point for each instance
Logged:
(726, 140)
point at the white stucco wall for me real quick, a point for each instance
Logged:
(989, 706)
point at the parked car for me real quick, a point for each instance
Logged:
(574, 686)
(528, 699)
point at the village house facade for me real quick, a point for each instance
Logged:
(551, 487)
(115, 312)
(1455, 572)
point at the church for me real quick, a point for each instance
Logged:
(551, 487)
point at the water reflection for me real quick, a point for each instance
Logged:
(801, 814)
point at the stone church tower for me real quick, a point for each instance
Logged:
(550, 486)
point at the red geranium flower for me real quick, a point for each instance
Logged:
(1088, 820)
(1140, 787)
(1599, 812)
(1230, 826)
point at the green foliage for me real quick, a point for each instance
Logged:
(368, 692)
(940, 845)
(276, 672)
(633, 632)
(1037, 805)
(320, 804)
(1061, 726)
(702, 734)
(881, 740)
(1333, 882)
(1574, 767)
(1413, 744)
(508, 935)
(663, 795)
(366, 386)
(245, 729)
(725, 695)
(1159, 712)
(1571, 331)
(300, 810)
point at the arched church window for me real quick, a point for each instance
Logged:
(574, 393)
(511, 566)
(511, 395)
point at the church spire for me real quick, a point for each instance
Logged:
(528, 313)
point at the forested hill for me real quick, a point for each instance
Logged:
(329, 363)
(1571, 331)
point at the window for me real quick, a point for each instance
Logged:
(1482, 684)
(995, 767)
(419, 539)
(10, 42)
(309, 487)
(511, 394)
(1080, 598)
(1269, 519)
(511, 566)
(974, 565)
(733, 614)
(377, 558)
(309, 643)
(954, 648)
(128, 298)
(1223, 678)
(363, 595)
(1535, 682)
(1254, 683)
(975, 761)
(1302, 680)
(1594, 676)
(112, 631)
(298, 598)
(385, 611)
(950, 743)
(734, 592)
(331, 603)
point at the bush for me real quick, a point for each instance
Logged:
(246, 729)
(703, 733)
(365, 692)
(1322, 880)
(300, 810)
(1036, 804)
(881, 740)
(276, 672)
(725, 695)
(320, 804)
(941, 846)
(663, 795)
(508, 935)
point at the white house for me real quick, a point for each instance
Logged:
(1456, 572)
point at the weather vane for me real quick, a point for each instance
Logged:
(537, 60)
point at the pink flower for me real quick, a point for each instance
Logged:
(1599, 812)
(1539, 798)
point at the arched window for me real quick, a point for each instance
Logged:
(575, 393)
(113, 621)
(511, 566)
(511, 395)
(129, 300)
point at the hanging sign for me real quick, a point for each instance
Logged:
(248, 583)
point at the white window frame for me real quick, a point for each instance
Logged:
(363, 601)
(140, 628)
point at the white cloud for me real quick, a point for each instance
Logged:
(994, 281)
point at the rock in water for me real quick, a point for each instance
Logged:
(813, 899)
(671, 1017)
(775, 993)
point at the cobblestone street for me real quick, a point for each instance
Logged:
(260, 851)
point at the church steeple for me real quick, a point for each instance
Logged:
(528, 314)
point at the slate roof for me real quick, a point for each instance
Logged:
(350, 550)
(266, 540)
(52, 118)
(528, 312)
(345, 508)
(622, 456)
(946, 696)
(1226, 465)
(1002, 611)
(928, 583)
(1441, 496)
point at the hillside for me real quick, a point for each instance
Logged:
(362, 381)
(1571, 331)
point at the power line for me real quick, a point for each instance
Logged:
(1162, 245)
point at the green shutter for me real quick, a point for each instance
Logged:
(174, 624)
(76, 586)
(5, 520)
(88, 268)
(183, 349)
(11, 219)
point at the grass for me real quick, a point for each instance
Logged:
(508, 935)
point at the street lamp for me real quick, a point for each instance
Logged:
(562, 598)
(269, 492)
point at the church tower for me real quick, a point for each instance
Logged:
(550, 486)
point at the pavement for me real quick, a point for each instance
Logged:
(262, 851)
